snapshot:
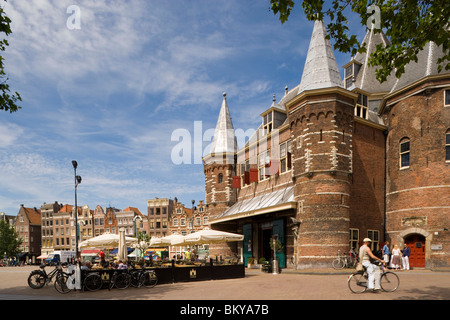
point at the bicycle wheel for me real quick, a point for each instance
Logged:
(61, 283)
(357, 282)
(389, 281)
(150, 279)
(36, 279)
(338, 263)
(123, 281)
(93, 282)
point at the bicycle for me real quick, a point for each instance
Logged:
(140, 278)
(121, 280)
(38, 278)
(347, 260)
(62, 279)
(357, 281)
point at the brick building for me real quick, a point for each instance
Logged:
(48, 210)
(28, 228)
(337, 160)
(159, 212)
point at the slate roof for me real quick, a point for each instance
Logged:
(321, 70)
(224, 140)
(426, 65)
(366, 78)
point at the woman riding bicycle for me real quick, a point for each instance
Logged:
(373, 271)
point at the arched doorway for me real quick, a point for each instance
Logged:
(416, 242)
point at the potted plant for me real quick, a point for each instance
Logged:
(250, 262)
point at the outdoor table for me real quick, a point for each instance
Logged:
(171, 273)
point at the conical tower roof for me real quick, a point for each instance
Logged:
(321, 70)
(224, 140)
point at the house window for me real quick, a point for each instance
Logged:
(220, 178)
(354, 239)
(361, 108)
(447, 146)
(245, 167)
(267, 123)
(374, 235)
(350, 73)
(447, 98)
(285, 156)
(263, 160)
(205, 220)
(405, 153)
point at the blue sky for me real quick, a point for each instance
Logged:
(111, 93)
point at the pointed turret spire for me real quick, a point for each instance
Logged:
(321, 70)
(224, 140)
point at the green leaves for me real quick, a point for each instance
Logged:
(9, 240)
(408, 24)
(8, 102)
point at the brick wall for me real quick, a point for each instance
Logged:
(418, 195)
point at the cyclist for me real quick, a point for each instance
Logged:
(373, 271)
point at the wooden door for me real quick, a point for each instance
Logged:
(416, 243)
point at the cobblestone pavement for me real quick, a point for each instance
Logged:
(289, 285)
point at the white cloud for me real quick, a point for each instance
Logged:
(9, 134)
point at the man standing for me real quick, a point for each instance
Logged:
(102, 258)
(405, 256)
(386, 253)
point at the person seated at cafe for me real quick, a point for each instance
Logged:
(122, 265)
(86, 265)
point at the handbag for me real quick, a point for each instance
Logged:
(359, 267)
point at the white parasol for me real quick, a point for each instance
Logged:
(105, 240)
(122, 251)
(208, 236)
(174, 240)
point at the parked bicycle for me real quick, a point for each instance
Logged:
(64, 282)
(38, 278)
(357, 282)
(93, 282)
(142, 277)
(349, 260)
(121, 280)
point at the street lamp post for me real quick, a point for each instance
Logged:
(77, 182)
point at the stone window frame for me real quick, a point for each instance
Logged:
(354, 238)
(375, 245)
(403, 152)
(447, 146)
(447, 97)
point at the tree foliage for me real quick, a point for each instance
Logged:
(8, 102)
(409, 25)
(9, 240)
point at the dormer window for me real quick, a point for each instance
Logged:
(361, 108)
(350, 72)
(268, 123)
